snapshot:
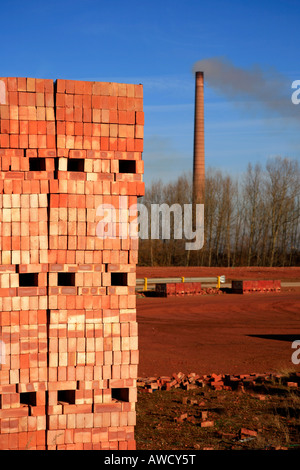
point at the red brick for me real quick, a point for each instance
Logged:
(27, 128)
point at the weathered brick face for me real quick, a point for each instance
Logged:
(67, 296)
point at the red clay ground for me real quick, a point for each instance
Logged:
(229, 333)
(230, 273)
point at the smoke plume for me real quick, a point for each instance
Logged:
(266, 88)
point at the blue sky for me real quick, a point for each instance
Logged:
(156, 43)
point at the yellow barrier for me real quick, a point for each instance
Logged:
(153, 281)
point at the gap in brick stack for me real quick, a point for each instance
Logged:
(68, 314)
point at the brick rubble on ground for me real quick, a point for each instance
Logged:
(216, 381)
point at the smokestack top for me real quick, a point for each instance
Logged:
(199, 75)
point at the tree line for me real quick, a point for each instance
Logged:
(249, 220)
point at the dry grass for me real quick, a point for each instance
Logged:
(273, 413)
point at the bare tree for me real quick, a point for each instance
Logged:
(253, 201)
(254, 220)
(282, 187)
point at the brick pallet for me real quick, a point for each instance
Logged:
(178, 289)
(247, 286)
(68, 313)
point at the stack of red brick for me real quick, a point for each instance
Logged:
(249, 286)
(178, 289)
(68, 326)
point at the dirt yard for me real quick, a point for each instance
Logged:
(231, 273)
(228, 333)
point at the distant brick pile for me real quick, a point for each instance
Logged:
(68, 331)
(178, 289)
(250, 286)
(182, 289)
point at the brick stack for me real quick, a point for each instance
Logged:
(178, 289)
(250, 286)
(68, 318)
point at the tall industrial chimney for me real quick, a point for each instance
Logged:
(199, 156)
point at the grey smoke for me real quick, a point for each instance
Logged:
(264, 88)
